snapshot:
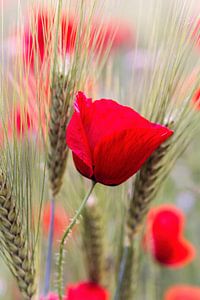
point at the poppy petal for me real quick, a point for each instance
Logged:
(164, 237)
(174, 253)
(167, 218)
(108, 117)
(77, 142)
(130, 149)
(86, 290)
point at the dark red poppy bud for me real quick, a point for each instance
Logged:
(164, 237)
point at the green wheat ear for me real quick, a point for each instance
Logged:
(145, 189)
(15, 247)
(93, 244)
(57, 157)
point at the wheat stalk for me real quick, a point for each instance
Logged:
(15, 243)
(93, 241)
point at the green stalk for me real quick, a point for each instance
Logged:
(62, 244)
(125, 271)
(49, 249)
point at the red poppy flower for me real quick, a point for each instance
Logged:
(31, 116)
(182, 292)
(37, 40)
(109, 141)
(61, 220)
(86, 291)
(196, 99)
(21, 122)
(69, 28)
(117, 32)
(27, 119)
(164, 237)
(50, 296)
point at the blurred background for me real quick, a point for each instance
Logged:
(181, 188)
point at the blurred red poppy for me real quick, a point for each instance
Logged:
(22, 120)
(182, 292)
(30, 117)
(37, 40)
(164, 237)
(86, 291)
(61, 220)
(19, 123)
(117, 32)
(69, 27)
(196, 99)
(109, 141)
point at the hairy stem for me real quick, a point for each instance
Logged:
(62, 244)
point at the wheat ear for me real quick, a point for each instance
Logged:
(145, 189)
(14, 241)
(93, 242)
(57, 156)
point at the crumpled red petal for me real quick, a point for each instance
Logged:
(130, 149)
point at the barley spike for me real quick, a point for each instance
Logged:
(93, 242)
(58, 151)
(15, 243)
(145, 189)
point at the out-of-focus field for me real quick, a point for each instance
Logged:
(181, 188)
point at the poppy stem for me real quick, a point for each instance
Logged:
(67, 232)
(49, 249)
